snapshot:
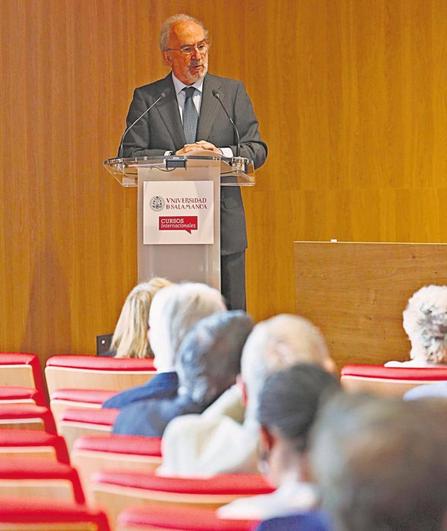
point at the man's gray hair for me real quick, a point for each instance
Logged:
(209, 358)
(172, 21)
(279, 343)
(380, 463)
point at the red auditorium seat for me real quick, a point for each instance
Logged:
(96, 372)
(26, 416)
(391, 381)
(21, 395)
(63, 399)
(178, 519)
(18, 514)
(40, 478)
(17, 444)
(116, 491)
(21, 369)
(83, 396)
(76, 422)
(94, 453)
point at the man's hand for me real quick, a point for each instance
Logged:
(197, 146)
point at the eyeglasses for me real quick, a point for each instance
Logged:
(188, 49)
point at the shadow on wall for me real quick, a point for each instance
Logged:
(47, 328)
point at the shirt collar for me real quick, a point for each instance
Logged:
(179, 86)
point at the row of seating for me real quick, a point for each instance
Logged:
(49, 471)
(86, 381)
(39, 515)
(132, 458)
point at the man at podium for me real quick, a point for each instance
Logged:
(189, 113)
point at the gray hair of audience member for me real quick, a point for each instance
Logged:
(209, 358)
(425, 322)
(289, 401)
(173, 312)
(172, 21)
(381, 463)
(278, 343)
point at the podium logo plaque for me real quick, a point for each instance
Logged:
(178, 212)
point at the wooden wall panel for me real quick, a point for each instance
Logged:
(366, 287)
(350, 95)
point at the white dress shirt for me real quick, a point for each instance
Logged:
(181, 96)
(197, 100)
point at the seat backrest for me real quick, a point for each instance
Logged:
(63, 399)
(17, 394)
(77, 422)
(21, 369)
(177, 519)
(49, 515)
(116, 491)
(17, 444)
(94, 453)
(96, 372)
(29, 478)
(388, 381)
(26, 416)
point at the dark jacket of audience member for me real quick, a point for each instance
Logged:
(309, 521)
(208, 362)
(162, 385)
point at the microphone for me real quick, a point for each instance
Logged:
(162, 95)
(238, 138)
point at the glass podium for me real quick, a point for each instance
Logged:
(178, 214)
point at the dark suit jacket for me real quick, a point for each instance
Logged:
(150, 417)
(162, 130)
(162, 385)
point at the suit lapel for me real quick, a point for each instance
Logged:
(170, 114)
(208, 108)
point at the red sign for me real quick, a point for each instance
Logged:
(187, 223)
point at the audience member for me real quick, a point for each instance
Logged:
(381, 463)
(130, 337)
(288, 406)
(174, 310)
(425, 322)
(207, 364)
(224, 438)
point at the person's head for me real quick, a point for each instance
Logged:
(130, 335)
(209, 358)
(288, 406)
(278, 343)
(174, 311)
(425, 322)
(381, 463)
(184, 45)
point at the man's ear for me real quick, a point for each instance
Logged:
(167, 58)
(267, 438)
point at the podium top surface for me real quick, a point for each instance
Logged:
(235, 171)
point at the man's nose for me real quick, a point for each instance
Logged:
(195, 53)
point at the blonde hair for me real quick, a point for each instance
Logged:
(130, 336)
